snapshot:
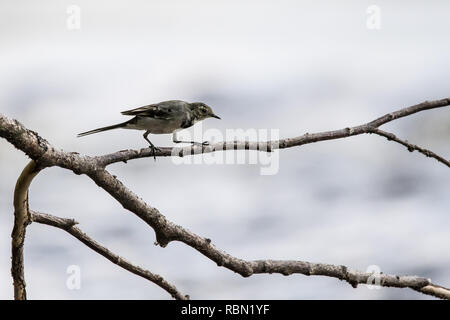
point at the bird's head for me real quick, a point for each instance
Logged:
(202, 111)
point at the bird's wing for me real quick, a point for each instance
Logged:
(162, 110)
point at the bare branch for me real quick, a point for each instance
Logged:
(353, 277)
(21, 220)
(426, 105)
(69, 226)
(411, 147)
(166, 231)
(436, 291)
(35, 147)
(307, 138)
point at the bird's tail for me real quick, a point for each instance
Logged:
(115, 126)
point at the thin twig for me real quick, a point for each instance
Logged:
(411, 147)
(68, 225)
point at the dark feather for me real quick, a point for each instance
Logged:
(161, 110)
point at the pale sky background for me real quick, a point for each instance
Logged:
(296, 66)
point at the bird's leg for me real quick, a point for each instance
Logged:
(175, 140)
(151, 144)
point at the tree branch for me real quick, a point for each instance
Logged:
(411, 147)
(21, 221)
(125, 155)
(353, 277)
(166, 231)
(68, 225)
(436, 291)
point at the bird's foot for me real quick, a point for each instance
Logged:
(154, 149)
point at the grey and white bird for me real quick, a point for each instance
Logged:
(163, 118)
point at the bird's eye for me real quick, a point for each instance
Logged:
(203, 110)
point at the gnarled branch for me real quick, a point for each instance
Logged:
(46, 155)
(21, 220)
(23, 216)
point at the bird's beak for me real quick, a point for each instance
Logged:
(217, 117)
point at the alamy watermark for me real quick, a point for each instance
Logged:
(73, 281)
(374, 280)
(73, 21)
(373, 21)
(249, 146)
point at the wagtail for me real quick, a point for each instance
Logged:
(163, 118)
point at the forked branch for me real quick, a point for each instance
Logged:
(166, 231)
(367, 128)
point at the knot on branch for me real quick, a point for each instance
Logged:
(348, 276)
(40, 141)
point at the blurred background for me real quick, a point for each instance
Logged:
(296, 66)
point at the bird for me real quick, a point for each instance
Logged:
(163, 118)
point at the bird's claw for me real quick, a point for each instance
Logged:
(153, 151)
